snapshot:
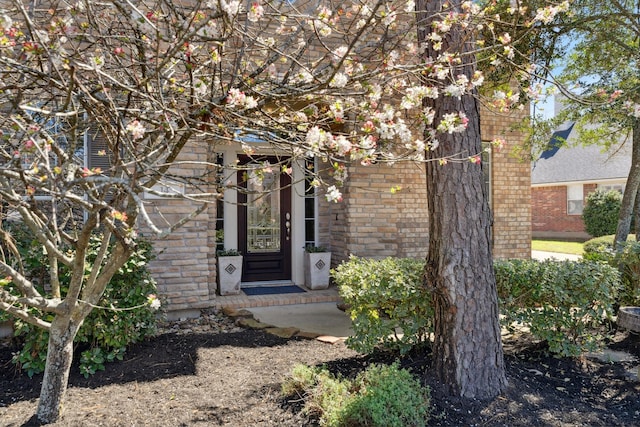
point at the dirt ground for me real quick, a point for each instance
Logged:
(212, 373)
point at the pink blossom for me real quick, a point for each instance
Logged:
(256, 11)
(136, 129)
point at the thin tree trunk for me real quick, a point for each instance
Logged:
(631, 190)
(56, 374)
(468, 355)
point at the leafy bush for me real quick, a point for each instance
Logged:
(126, 316)
(600, 214)
(380, 396)
(385, 297)
(599, 249)
(562, 302)
(626, 260)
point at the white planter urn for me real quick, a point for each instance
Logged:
(316, 270)
(229, 274)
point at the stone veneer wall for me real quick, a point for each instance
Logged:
(185, 267)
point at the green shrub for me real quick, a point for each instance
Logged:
(561, 302)
(106, 332)
(387, 397)
(385, 297)
(599, 249)
(380, 396)
(600, 214)
(626, 260)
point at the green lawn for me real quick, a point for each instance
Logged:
(556, 246)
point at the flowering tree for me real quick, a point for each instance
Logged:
(130, 85)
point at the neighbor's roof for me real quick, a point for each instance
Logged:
(575, 163)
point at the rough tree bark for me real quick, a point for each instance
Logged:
(631, 190)
(468, 355)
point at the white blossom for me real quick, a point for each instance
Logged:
(256, 11)
(454, 90)
(305, 76)
(342, 145)
(231, 8)
(429, 114)
(337, 110)
(453, 123)
(136, 129)
(339, 80)
(316, 140)
(154, 302)
(340, 52)
(333, 194)
(410, 6)
(633, 109)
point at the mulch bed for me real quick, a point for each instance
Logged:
(210, 372)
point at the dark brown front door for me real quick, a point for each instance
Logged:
(264, 220)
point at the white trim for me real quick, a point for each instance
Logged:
(230, 199)
(297, 225)
(593, 181)
(230, 217)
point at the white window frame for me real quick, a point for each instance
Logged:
(575, 199)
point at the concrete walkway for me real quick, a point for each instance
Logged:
(320, 318)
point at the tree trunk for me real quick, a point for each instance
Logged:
(630, 190)
(56, 374)
(468, 354)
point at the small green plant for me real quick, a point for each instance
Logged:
(228, 252)
(380, 396)
(387, 397)
(388, 305)
(600, 214)
(315, 249)
(33, 355)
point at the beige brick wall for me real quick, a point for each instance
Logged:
(373, 222)
(511, 185)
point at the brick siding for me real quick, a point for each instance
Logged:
(510, 184)
(373, 222)
(549, 209)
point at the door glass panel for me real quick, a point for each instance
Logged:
(263, 211)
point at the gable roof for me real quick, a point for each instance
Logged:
(574, 162)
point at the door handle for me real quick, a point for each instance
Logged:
(287, 225)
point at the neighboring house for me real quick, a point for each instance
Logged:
(371, 221)
(564, 175)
